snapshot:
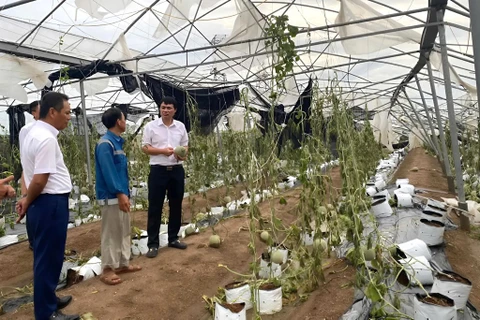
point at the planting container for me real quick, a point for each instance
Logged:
(415, 248)
(404, 200)
(269, 269)
(454, 286)
(418, 270)
(381, 208)
(384, 193)
(226, 311)
(435, 307)
(401, 181)
(269, 299)
(407, 188)
(371, 190)
(237, 292)
(433, 215)
(431, 232)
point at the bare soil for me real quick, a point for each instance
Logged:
(462, 248)
(438, 300)
(171, 286)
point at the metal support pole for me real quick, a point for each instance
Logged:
(425, 132)
(423, 137)
(446, 161)
(464, 220)
(430, 123)
(85, 131)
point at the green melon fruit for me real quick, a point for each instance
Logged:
(276, 257)
(214, 241)
(393, 250)
(84, 190)
(180, 151)
(265, 236)
(227, 199)
(369, 254)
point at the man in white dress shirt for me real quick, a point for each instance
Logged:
(167, 176)
(46, 203)
(34, 110)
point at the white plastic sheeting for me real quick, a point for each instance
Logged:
(92, 7)
(382, 129)
(14, 70)
(352, 10)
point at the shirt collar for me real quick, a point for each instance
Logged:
(47, 126)
(114, 136)
(160, 122)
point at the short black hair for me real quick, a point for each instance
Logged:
(168, 100)
(53, 100)
(33, 106)
(110, 117)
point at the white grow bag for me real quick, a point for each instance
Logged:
(240, 294)
(269, 270)
(401, 181)
(455, 290)
(404, 200)
(381, 208)
(415, 248)
(371, 190)
(384, 193)
(269, 301)
(432, 235)
(407, 188)
(436, 215)
(418, 270)
(223, 313)
(380, 184)
(428, 311)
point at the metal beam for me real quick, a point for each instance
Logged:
(15, 4)
(38, 54)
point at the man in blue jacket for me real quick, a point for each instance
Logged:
(112, 191)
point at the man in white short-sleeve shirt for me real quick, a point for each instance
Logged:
(167, 176)
(46, 203)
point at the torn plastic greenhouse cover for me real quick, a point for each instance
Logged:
(397, 229)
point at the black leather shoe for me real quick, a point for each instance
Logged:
(57, 315)
(62, 302)
(152, 252)
(177, 244)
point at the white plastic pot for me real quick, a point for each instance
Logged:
(455, 290)
(269, 269)
(239, 294)
(401, 181)
(407, 188)
(418, 270)
(269, 301)
(384, 193)
(371, 190)
(436, 204)
(140, 246)
(433, 215)
(431, 232)
(307, 239)
(404, 200)
(224, 313)
(380, 208)
(163, 237)
(430, 311)
(415, 248)
(380, 184)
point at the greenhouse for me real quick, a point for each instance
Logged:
(330, 163)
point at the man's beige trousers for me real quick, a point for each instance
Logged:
(116, 237)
